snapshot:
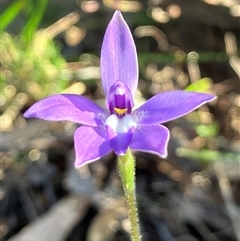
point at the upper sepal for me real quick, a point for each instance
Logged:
(118, 55)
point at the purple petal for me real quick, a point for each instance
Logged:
(119, 141)
(120, 132)
(69, 107)
(167, 106)
(118, 55)
(153, 139)
(90, 144)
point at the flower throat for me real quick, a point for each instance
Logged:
(120, 101)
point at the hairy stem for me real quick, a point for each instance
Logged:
(126, 165)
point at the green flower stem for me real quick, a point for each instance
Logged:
(126, 165)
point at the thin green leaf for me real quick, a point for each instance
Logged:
(202, 85)
(206, 155)
(11, 13)
(34, 20)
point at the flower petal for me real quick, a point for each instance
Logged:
(119, 141)
(167, 106)
(70, 107)
(153, 139)
(120, 132)
(118, 55)
(90, 144)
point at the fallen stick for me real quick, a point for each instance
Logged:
(57, 223)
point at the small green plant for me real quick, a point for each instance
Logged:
(33, 68)
(30, 61)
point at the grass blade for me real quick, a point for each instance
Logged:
(11, 13)
(36, 16)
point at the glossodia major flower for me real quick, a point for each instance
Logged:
(118, 127)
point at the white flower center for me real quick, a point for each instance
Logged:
(120, 125)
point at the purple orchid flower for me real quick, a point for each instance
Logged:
(118, 127)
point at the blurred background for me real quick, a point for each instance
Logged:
(53, 46)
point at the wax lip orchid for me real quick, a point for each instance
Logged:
(118, 127)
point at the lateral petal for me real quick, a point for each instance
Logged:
(118, 55)
(69, 107)
(90, 144)
(152, 139)
(170, 105)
